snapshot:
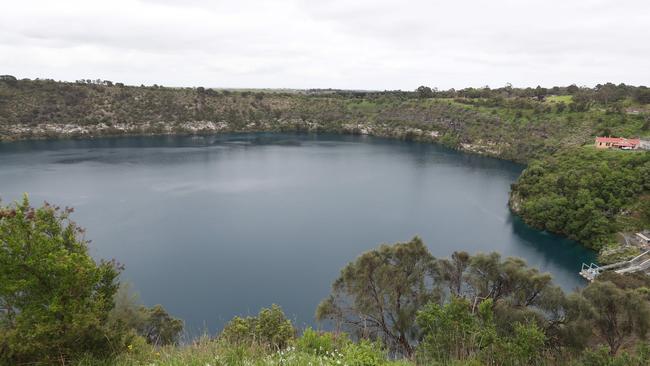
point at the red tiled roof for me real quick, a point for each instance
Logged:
(620, 141)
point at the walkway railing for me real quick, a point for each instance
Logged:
(639, 263)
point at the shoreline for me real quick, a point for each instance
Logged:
(55, 131)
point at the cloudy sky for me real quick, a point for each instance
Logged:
(352, 44)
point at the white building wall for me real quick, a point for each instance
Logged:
(644, 144)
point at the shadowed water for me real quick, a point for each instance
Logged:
(213, 227)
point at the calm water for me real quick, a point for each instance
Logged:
(214, 227)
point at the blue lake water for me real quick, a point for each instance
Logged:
(212, 227)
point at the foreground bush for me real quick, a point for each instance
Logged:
(603, 357)
(453, 332)
(54, 298)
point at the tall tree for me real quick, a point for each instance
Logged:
(618, 315)
(424, 92)
(160, 328)
(642, 95)
(453, 271)
(379, 294)
(607, 93)
(540, 93)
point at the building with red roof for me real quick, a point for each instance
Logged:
(617, 143)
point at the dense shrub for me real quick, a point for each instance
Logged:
(580, 192)
(602, 357)
(158, 327)
(455, 332)
(54, 298)
(321, 343)
(364, 353)
(153, 324)
(269, 328)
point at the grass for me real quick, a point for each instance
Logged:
(211, 352)
(559, 98)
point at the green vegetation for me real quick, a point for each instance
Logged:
(395, 305)
(206, 351)
(455, 331)
(397, 277)
(56, 302)
(509, 123)
(559, 99)
(54, 298)
(586, 194)
(417, 304)
(58, 306)
(484, 310)
(270, 328)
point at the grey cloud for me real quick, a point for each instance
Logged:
(380, 44)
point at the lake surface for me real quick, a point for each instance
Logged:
(212, 227)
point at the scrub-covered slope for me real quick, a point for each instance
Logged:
(514, 124)
(586, 194)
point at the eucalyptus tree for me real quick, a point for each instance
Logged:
(379, 294)
(619, 316)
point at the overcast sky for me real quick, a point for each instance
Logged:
(351, 44)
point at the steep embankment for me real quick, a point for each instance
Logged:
(586, 194)
(516, 129)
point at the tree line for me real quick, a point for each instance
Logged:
(482, 308)
(509, 123)
(601, 93)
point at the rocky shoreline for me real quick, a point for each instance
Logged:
(17, 132)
